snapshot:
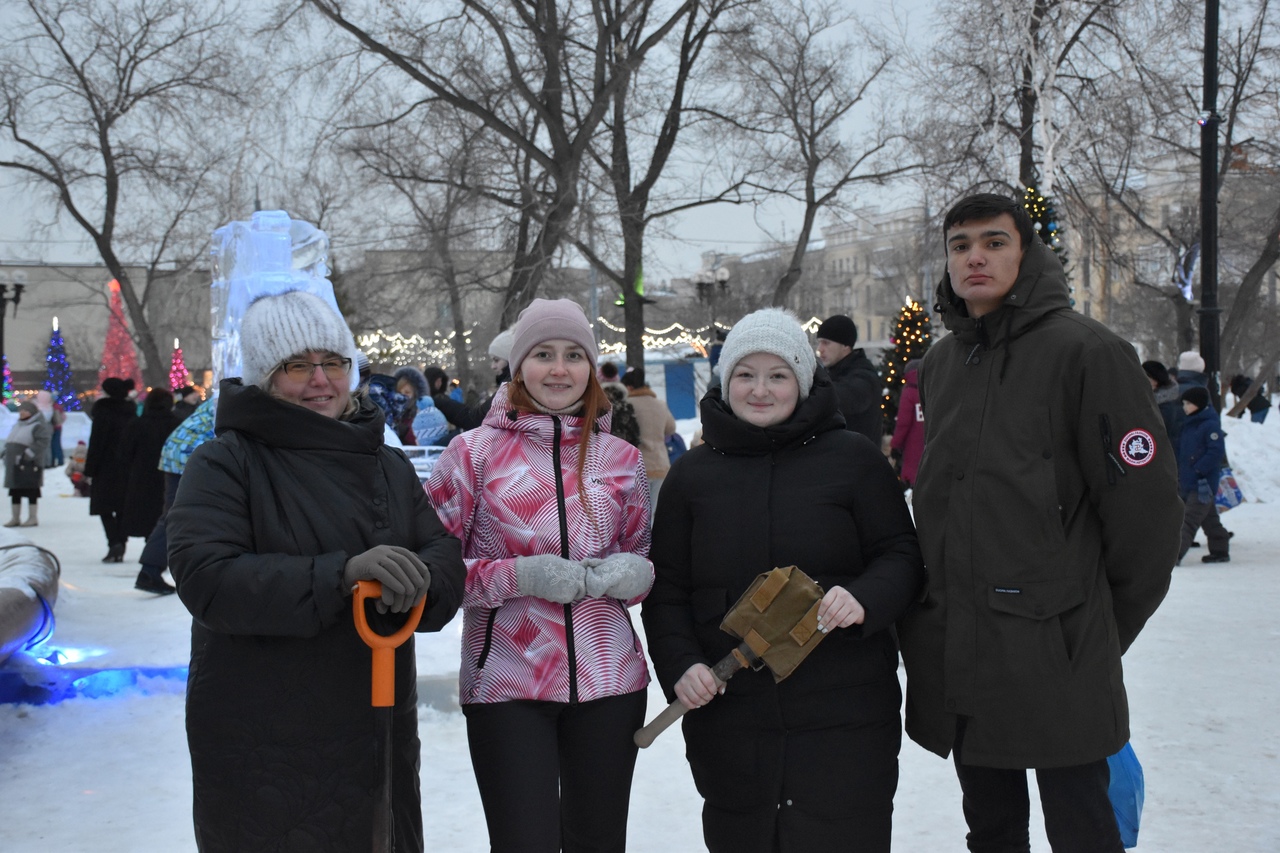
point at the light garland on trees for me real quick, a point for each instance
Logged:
(395, 348)
(913, 333)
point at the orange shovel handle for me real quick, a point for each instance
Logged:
(384, 646)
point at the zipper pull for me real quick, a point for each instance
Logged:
(1104, 426)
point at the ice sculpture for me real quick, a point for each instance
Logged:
(269, 254)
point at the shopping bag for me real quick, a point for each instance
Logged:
(1229, 494)
(1126, 792)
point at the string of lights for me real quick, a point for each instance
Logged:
(913, 333)
(384, 347)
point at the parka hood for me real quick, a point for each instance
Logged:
(1040, 289)
(259, 415)
(723, 431)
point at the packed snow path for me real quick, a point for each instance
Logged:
(111, 775)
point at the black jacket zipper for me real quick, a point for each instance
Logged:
(564, 552)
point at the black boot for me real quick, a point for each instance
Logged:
(1215, 558)
(115, 554)
(151, 579)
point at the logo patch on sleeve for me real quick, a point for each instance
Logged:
(1137, 448)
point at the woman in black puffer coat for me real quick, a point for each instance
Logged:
(809, 763)
(274, 521)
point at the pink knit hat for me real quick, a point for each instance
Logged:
(547, 320)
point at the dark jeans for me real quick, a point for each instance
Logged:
(1078, 817)
(155, 556)
(555, 776)
(1198, 515)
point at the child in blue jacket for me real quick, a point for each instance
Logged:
(1201, 450)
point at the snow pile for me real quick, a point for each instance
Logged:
(1253, 451)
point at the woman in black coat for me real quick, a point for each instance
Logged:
(104, 466)
(140, 448)
(809, 763)
(274, 522)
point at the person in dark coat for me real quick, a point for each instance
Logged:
(907, 445)
(274, 522)
(1048, 512)
(107, 473)
(24, 453)
(1259, 404)
(858, 386)
(810, 763)
(465, 417)
(1201, 451)
(1168, 398)
(140, 447)
(188, 398)
(1191, 371)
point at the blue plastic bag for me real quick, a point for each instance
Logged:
(1126, 792)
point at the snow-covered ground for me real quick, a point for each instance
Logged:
(111, 774)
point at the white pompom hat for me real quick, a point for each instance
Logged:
(292, 323)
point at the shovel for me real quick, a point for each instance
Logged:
(384, 697)
(777, 621)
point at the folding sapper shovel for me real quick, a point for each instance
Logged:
(384, 699)
(777, 621)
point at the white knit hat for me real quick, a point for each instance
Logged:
(1191, 361)
(288, 324)
(775, 331)
(500, 346)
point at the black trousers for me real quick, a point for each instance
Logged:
(1201, 516)
(555, 776)
(1078, 817)
(155, 554)
(113, 526)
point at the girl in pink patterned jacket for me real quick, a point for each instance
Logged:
(553, 515)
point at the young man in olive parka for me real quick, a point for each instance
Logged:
(1048, 514)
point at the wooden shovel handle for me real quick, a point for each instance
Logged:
(722, 672)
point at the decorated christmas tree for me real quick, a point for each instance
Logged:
(1044, 218)
(119, 358)
(912, 334)
(6, 393)
(57, 372)
(178, 375)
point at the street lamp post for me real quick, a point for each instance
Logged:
(5, 299)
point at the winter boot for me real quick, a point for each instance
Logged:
(115, 554)
(17, 517)
(1216, 558)
(151, 579)
(33, 517)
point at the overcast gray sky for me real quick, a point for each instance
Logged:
(724, 228)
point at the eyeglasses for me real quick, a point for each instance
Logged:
(302, 371)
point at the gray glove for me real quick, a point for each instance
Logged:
(403, 575)
(28, 454)
(621, 576)
(551, 577)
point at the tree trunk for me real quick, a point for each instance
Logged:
(1028, 100)
(1244, 307)
(531, 266)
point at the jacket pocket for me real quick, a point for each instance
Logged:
(1036, 599)
(1043, 636)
